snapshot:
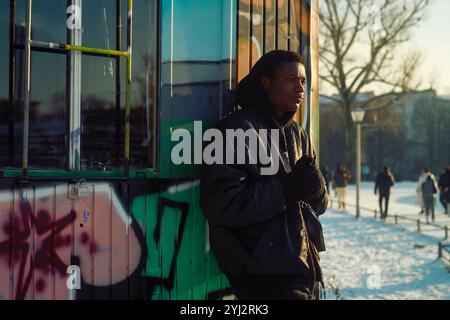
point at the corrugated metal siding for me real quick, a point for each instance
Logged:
(131, 241)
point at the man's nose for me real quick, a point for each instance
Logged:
(300, 88)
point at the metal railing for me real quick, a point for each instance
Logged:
(443, 246)
(398, 218)
(444, 251)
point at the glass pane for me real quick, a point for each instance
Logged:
(144, 72)
(257, 30)
(102, 138)
(270, 25)
(49, 20)
(19, 22)
(102, 119)
(98, 20)
(295, 26)
(283, 26)
(100, 25)
(7, 123)
(4, 49)
(196, 80)
(48, 114)
(243, 39)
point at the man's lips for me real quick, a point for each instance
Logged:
(298, 99)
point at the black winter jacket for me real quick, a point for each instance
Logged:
(251, 230)
(384, 183)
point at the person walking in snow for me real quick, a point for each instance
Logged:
(429, 189)
(327, 176)
(419, 195)
(383, 185)
(340, 183)
(444, 186)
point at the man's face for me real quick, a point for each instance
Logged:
(287, 87)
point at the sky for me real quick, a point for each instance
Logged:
(433, 40)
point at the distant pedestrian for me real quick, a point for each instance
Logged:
(340, 182)
(429, 189)
(385, 181)
(327, 176)
(444, 186)
(419, 196)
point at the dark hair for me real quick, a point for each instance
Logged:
(250, 92)
(340, 167)
(269, 62)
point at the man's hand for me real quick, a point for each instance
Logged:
(304, 182)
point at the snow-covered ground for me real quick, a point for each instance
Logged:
(402, 203)
(367, 259)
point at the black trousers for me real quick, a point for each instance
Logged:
(443, 198)
(274, 288)
(384, 197)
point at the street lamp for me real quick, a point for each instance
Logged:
(358, 117)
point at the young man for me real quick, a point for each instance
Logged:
(385, 181)
(260, 231)
(429, 189)
(444, 187)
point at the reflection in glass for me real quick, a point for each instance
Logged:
(294, 25)
(47, 130)
(49, 20)
(283, 26)
(102, 121)
(243, 40)
(103, 99)
(144, 72)
(100, 26)
(270, 23)
(7, 140)
(197, 71)
(48, 114)
(257, 30)
(102, 86)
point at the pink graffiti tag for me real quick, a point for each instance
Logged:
(45, 256)
(40, 236)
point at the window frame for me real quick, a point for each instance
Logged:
(74, 51)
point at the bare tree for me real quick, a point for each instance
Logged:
(359, 41)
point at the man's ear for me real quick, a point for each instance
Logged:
(265, 82)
